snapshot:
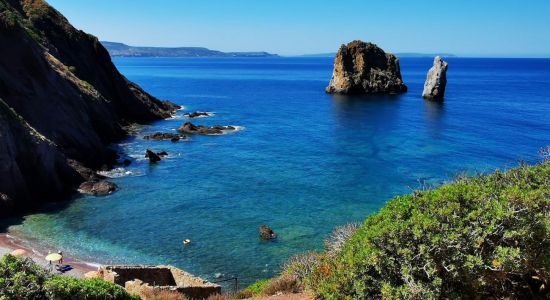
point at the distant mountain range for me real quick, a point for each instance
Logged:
(120, 49)
(403, 54)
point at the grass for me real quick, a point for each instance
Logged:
(257, 287)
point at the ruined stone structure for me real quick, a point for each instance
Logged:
(138, 278)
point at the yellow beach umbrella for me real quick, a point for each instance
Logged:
(53, 257)
(19, 252)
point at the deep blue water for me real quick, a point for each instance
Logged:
(304, 163)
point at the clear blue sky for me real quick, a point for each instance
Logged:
(288, 27)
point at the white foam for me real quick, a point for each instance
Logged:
(175, 115)
(237, 129)
(115, 173)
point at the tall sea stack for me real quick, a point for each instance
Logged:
(62, 101)
(364, 68)
(434, 88)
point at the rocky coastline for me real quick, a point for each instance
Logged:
(62, 102)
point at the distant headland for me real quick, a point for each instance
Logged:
(120, 49)
(399, 54)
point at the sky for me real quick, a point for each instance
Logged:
(499, 28)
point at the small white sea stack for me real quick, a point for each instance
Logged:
(434, 88)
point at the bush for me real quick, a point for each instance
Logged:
(68, 288)
(23, 279)
(257, 287)
(339, 236)
(482, 237)
(301, 265)
(284, 284)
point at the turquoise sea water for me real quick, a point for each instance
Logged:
(304, 162)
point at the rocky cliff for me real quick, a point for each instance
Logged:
(63, 101)
(364, 68)
(436, 81)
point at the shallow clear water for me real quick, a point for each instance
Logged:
(304, 163)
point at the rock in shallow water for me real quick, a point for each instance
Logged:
(158, 136)
(267, 233)
(152, 156)
(97, 188)
(434, 88)
(197, 114)
(364, 68)
(189, 127)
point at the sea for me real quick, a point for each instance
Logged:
(301, 161)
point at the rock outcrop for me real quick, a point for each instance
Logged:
(364, 68)
(197, 114)
(152, 156)
(189, 127)
(434, 88)
(158, 136)
(97, 188)
(62, 102)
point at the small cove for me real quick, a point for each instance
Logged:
(303, 163)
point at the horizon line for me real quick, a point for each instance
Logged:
(323, 53)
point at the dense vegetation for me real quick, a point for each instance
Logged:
(478, 237)
(23, 279)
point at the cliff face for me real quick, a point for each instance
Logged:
(364, 68)
(59, 84)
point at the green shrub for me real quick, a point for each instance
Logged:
(69, 288)
(482, 237)
(257, 287)
(23, 279)
(301, 265)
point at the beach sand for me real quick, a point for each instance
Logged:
(9, 243)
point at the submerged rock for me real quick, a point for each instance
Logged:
(97, 188)
(434, 88)
(189, 127)
(158, 136)
(197, 114)
(267, 233)
(153, 157)
(364, 68)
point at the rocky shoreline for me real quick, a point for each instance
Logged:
(62, 102)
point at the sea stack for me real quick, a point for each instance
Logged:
(434, 88)
(364, 68)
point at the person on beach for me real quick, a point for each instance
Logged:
(61, 259)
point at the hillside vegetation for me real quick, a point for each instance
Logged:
(23, 279)
(483, 237)
(478, 237)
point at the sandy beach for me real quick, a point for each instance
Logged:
(9, 243)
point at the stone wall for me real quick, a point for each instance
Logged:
(138, 278)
